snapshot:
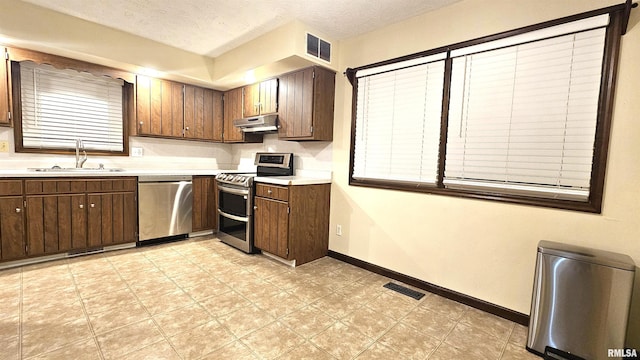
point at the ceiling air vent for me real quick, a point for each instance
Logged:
(319, 48)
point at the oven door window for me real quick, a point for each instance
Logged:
(233, 204)
(235, 228)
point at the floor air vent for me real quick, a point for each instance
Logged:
(404, 291)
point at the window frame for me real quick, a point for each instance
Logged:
(16, 55)
(614, 32)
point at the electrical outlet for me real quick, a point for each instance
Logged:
(137, 151)
(339, 230)
(4, 146)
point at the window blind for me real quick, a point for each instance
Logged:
(398, 117)
(522, 118)
(60, 106)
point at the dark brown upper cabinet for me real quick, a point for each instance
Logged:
(260, 98)
(306, 104)
(233, 111)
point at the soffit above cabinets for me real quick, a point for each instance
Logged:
(213, 27)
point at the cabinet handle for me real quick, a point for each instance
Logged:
(81, 206)
(255, 207)
(187, 128)
(141, 122)
(18, 210)
(269, 191)
(93, 205)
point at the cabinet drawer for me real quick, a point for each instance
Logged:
(54, 186)
(273, 192)
(10, 187)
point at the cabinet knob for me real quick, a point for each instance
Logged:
(18, 210)
(81, 206)
(269, 191)
(93, 205)
(255, 207)
(187, 128)
(141, 122)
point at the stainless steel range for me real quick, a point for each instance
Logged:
(235, 198)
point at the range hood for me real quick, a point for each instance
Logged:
(262, 123)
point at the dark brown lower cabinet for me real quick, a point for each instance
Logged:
(292, 222)
(111, 219)
(271, 226)
(204, 203)
(66, 214)
(11, 228)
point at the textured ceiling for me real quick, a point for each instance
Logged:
(212, 27)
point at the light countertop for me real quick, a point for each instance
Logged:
(292, 180)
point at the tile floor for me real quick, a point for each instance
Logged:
(200, 299)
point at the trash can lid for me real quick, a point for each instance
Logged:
(580, 253)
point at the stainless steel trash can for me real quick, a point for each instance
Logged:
(580, 303)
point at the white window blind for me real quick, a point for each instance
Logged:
(522, 118)
(60, 106)
(398, 117)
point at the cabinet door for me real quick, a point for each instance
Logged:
(232, 111)
(251, 100)
(11, 228)
(4, 90)
(203, 116)
(55, 223)
(268, 102)
(204, 205)
(111, 219)
(271, 226)
(159, 107)
(296, 104)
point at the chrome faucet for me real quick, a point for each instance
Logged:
(80, 147)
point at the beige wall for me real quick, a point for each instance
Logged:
(481, 248)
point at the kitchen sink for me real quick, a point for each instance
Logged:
(80, 170)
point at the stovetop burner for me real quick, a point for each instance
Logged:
(244, 180)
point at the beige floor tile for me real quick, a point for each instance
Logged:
(101, 285)
(279, 304)
(394, 306)
(10, 348)
(334, 280)
(342, 341)
(477, 343)
(360, 292)
(201, 340)
(166, 302)
(119, 342)
(246, 320)
(118, 299)
(224, 303)
(377, 351)
(445, 306)
(194, 278)
(117, 317)
(181, 320)
(235, 350)
(448, 352)
(517, 352)
(519, 335)
(256, 289)
(272, 340)
(203, 291)
(53, 337)
(82, 350)
(409, 342)
(431, 323)
(310, 291)
(369, 322)
(488, 323)
(38, 319)
(159, 351)
(307, 351)
(308, 321)
(49, 300)
(9, 327)
(336, 305)
(291, 279)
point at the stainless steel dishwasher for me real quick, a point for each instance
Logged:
(164, 206)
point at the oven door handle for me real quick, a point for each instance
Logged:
(233, 217)
(232, 190)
